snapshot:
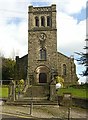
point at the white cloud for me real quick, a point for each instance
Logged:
(14, 36)
(68, 6)
(83, 80)
(87, 28)
(71, 35)
(71, 6)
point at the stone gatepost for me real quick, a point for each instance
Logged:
(12, 91)
(67, 102)
(53, 95)
(52, 91)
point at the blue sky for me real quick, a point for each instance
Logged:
(15, 20)
(80, 16)
(71, 26)
(40, 3)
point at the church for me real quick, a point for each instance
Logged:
(43, 60)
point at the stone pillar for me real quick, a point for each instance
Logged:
(53, 90)
(53, 16)
(12, 91)
(53, 85)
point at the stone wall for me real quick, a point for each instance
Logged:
(39, 69)
(70, 77)
(34, 50)
(38, 91)
(54, 59)
(39, 12)
(21, 67)
(57, 63)
(77, 102)
(34, 43)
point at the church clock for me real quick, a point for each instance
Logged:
(42, 37)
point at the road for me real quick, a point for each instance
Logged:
(10, 116)
(41, 112)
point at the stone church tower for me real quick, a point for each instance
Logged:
(43, 61)
(42, 43)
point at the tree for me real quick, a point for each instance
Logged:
(7, 68)
(83, 59)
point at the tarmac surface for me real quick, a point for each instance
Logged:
(39, 112)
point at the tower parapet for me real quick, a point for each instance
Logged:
(42, 9)
(42, 17)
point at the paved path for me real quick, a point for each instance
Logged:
(49, 111)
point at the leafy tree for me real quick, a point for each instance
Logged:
(7, 68)
(83, 59)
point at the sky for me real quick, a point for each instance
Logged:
(71, 26)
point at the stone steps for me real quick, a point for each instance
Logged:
(29, 101)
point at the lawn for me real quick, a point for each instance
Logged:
(76, 92)
(3, 92)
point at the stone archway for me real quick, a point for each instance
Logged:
(42, 74)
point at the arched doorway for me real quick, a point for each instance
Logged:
(42, 74)
(42, 78)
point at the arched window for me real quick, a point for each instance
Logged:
(64, 69)
(48, 21)
(36, 21)
(43, 54)
(42, 21)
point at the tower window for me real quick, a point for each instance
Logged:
(64, 69)
(36, 21)
(43, 54)
(48, 21)
(42, 21)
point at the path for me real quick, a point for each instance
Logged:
(39, 111)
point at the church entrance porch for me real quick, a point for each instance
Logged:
(41, 85)
(42, 74)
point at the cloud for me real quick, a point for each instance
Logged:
(71, 6)
(71, 35)
(67, 6)
(14, 29)
(83, 80)
(14, 26)
(14, 37)
(87, 28)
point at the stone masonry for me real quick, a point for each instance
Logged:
(43, 59)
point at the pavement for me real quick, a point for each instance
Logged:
(42, 111)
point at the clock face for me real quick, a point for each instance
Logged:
(42, 37)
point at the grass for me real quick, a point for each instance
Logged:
(76, 92)
(4, 92)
